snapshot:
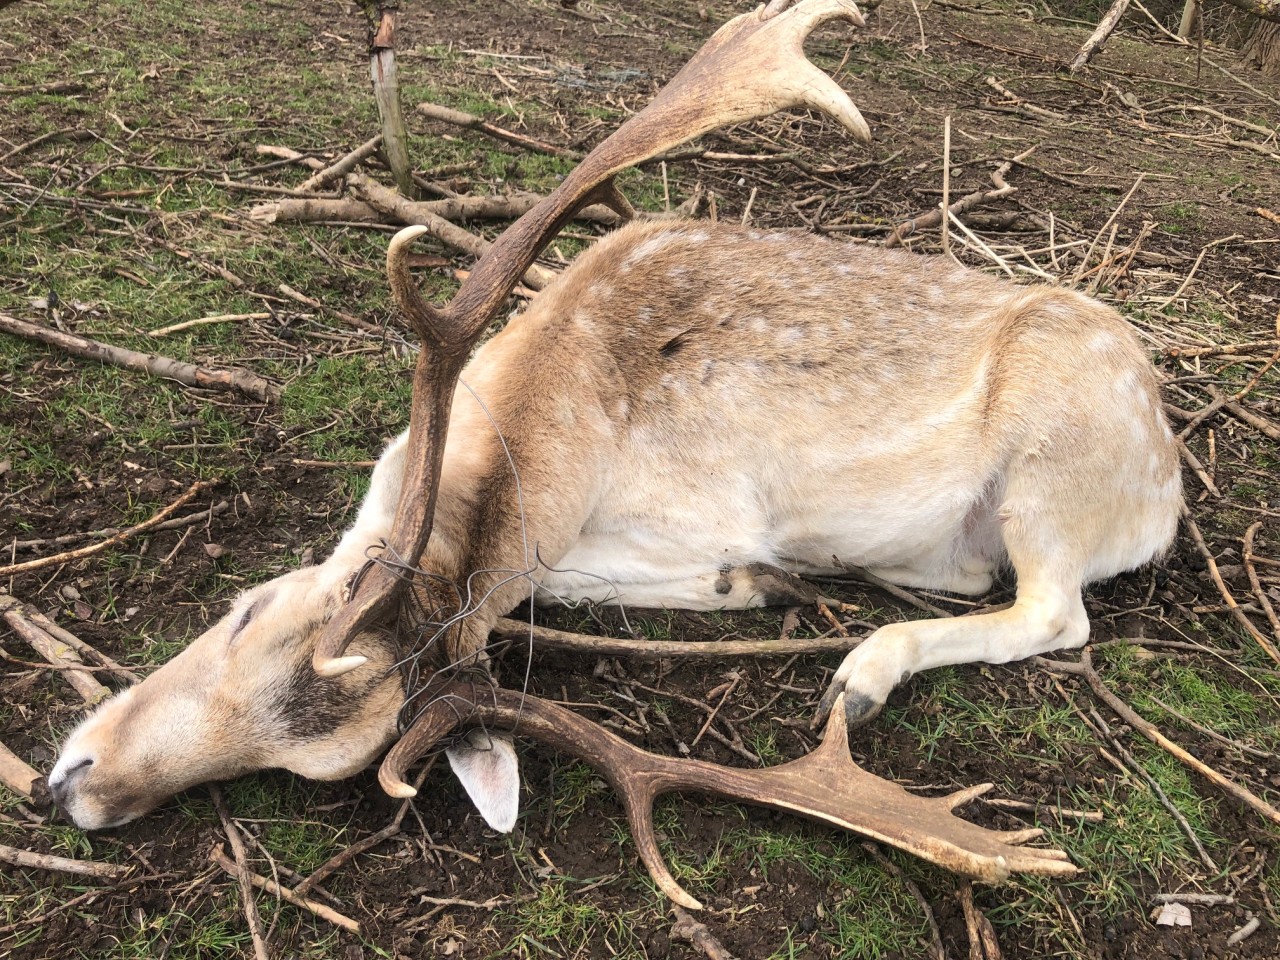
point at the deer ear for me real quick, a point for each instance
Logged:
(487, 766)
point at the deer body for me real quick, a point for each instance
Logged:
(687, 403)
(690, 400)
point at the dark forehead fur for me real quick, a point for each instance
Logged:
(308, 706)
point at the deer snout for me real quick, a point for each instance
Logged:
(63, 779)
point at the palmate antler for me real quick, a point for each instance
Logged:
(825, 785)
(751, 67)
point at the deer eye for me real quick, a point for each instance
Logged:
(242, 621)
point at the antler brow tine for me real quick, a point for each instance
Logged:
(751, 67)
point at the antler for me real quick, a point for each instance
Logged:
(825, 785)
(751, 67)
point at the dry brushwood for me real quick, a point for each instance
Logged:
(193, 491)
(240, 381)
(55, 651)
(976, 199)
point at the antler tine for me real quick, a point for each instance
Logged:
(751, 67)
(825, 785)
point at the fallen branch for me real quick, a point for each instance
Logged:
(545, 638)
(314, 304)
(46, 861)
(982, 936)
(460, 209)
(284, 893)
(936, 950)
(1252, 573)
(342, 167)
(44, 138)
(242, 381)
(206, 321)
(695, 932)
(58, 558)
(395, 205)
(1099, 36)
(1224, 350)
(55, 651)
(1247, 416)
(471, 122)
(1149, 730)
(40, 621)
(17, 775)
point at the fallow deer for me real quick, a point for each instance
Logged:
(689, 408)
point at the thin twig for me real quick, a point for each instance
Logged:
(71, 555)
(936, 950)
(549, 639)
(1251, 571)
(1227, 598)
(1085, 669)
(240, 870)
(284, 893)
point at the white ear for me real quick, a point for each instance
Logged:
(487, 766)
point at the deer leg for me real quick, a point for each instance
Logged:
(1046, 616)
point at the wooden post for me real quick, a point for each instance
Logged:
(1188, 18)
(386, 91)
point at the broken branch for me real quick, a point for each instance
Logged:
(1099, 36)
(46, 861)
(469, 121)
(242, 381)
(16, 774)
(57, 652)
(548, 639)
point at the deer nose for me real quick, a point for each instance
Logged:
(62, 781)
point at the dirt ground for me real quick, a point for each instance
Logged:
(1154, 183)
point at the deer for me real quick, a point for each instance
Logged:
(697, 416)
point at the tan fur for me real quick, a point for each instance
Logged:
(688, 400)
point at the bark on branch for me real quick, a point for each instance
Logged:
(241, 381)
(1099, 36)
(394, 205)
